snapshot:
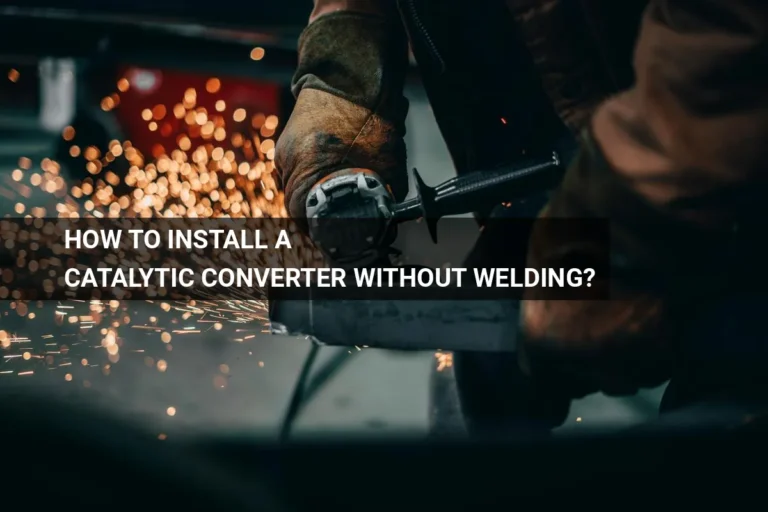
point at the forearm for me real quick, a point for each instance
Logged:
(689, 139)
(356, 50)
(372, 7)
(682, 148)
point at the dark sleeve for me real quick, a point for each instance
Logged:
(356, 50)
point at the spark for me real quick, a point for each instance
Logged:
(220, 166)
(257, 53)
(444, 360)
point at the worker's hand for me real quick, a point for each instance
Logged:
(592, 344)
(614, 346)
(350, 110)
(328, 135)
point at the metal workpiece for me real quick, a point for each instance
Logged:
(481, 325)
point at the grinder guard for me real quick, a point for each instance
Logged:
(350, 218)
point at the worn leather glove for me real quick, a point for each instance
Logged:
(592, 344)
(350, 110)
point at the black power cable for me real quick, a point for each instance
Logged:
(305, 388)
(297, 397)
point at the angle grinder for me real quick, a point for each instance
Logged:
(353, 218)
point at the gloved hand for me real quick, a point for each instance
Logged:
(591, 344)
(350, 110)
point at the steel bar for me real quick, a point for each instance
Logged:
(484, 326)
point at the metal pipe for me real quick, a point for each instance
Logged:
(483, 326)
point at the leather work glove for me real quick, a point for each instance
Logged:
(350, 109)
(591, 344)
(632, 339)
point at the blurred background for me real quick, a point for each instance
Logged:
(122, 108)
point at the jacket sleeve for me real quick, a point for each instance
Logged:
(350, 110)
(672, 162)
(692, 131)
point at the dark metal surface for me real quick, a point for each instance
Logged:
(485, 326)
(249, 14)
(187, 48)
